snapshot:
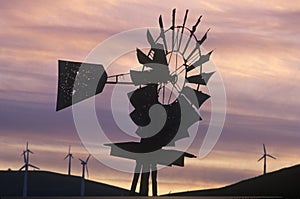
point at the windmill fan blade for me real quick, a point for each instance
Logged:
(200, 61)
(33, 166)
(88, 158)
(22, 167)
(264, 149)
(30, 151)
(81, 160)
(200, 42)
(91, 79)
(162, 32)
(271, 156)
(197, 98)
(260, 158)
(148, 77)
(200, 79)
(66, 156)
(87, 171)
(150, 39)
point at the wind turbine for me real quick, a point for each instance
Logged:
(265, 155)
(70, 156)
(25, 154)
(84, 166)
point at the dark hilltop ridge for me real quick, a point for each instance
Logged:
(282, 183)
(45, 183)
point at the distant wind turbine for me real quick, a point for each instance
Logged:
(265, 155)
(84, 166)
(25, 166)
(70, 156)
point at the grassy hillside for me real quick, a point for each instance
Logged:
(284, 182)
(43, 183)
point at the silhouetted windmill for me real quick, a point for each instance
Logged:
(26, 165)
(70, 156)
(167, 79)
(265, 155)
(84, 168)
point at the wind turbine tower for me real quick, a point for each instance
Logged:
(84, 167)
(26, 165)
(265, 155)
(70, 156)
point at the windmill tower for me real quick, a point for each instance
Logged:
(170, 79)
(264, 156)
(84, 169)
(26, 165)
(70, 157)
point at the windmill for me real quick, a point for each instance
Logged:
(70, 157)
(84, 167)
(26, 165)
(265, 155)
(171, 78)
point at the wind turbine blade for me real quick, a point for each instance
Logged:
(24, 156)
(162, 32)
(265, 151)
(87, 172)
(200, 61)
(66, 156)
(22, 167)
(26, 145)
(80, 160)
(88, 158)
(69, 149)
(30, 151)
(271, 156)
(72, 156)
(33, 166)
(260, 158)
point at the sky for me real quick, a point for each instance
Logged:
(256, 51)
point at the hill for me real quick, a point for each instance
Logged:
(284, 182)
(44, 183)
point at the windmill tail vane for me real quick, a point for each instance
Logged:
(171, 77)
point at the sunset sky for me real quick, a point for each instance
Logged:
(257, 47)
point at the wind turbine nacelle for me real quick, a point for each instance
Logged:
(78, 81)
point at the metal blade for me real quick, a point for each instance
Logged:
(33, 166)
(260, 158)
(30, 151)
(91, 79)
(265, 151)
(183, 26)
(150, 39)
(173, 27)
(72, 156)
(160, 55)
(66, 156)
(88, 158)
(197, 98)
(200, 79)
(81, 160)
(191, 34)
(199, 42)
(22, 167)
(69, 149)
(271, 156)
(87, 171)
(162, 33)
(200, 61)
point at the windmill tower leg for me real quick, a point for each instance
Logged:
(153, 178)
(135, 179)
(144, 187)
